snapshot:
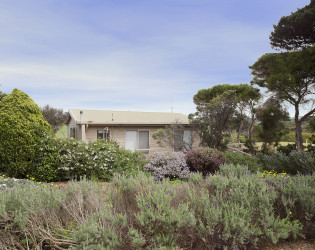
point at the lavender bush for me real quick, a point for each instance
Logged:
(206, 160)
(170, 165)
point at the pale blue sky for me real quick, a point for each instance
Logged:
(144, 55)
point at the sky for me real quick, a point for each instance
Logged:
(142, 55)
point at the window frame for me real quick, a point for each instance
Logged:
(108, 131)
(182, 136)
(143, 150)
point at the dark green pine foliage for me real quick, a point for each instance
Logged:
(296, 30)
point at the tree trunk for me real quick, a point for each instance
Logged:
(298, 130)
(239, 132)
(231, 136)
(251, 127)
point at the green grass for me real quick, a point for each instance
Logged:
(62, 132)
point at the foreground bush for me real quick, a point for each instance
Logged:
(22, 126)
(251, 162)
(65, 159)
(171, 165)
(293, 163)
(205, 161)
(233, 208)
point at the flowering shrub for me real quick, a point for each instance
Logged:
(96, 159)
(206, 161)
(168, 165)
(59, 160)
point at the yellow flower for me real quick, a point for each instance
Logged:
(45, 186)
(290, 213)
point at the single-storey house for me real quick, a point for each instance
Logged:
(130, 129)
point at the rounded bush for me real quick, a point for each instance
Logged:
(22, 126)
(171, 165)
(206, 160)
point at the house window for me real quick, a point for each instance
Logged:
(182, 140)
(72, 132)
(103, 134)
(137, 140)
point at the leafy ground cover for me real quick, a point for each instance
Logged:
(233, 208)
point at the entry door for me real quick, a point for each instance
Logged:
(131, 142)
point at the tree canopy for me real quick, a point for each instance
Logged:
(271, 127)
(296, 30)
(245, 98)
(212, 117)
(244, 92)
(291, 77)
(55, 117)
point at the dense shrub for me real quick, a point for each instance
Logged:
(22, 126)
(286, 149)
(251, 162)
(297, 198)
(206, 160)
(46, 163)
(233, 209)
(170, 165)
(241, 208)
(295, 162)
(97, 159)
(65, 159)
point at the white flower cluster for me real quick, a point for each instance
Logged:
(81, 159)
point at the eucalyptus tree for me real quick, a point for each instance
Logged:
(246, 99)
(212, 117)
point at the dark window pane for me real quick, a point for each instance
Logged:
(100, 134)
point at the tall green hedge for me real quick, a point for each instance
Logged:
(22, 126)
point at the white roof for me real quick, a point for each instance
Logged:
(126, 117)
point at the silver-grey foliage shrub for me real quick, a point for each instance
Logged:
(240, 208)
(159, 218)
(295, 162)
(170, 165)
(233, 208)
